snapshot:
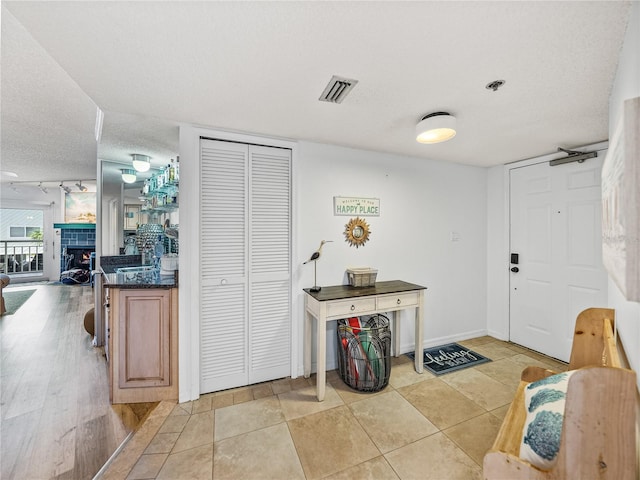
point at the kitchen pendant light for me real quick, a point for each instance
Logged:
(128, 175)
(141, 163)
(436, 127)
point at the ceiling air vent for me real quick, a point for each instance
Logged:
(337, 89)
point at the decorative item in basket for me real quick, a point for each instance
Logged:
(362, 276)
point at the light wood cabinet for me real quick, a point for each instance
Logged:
(143, 345)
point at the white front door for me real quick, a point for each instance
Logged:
(556, 234)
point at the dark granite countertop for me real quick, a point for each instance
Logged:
(124, 280)
(146, 279)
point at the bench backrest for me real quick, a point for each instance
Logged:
(594, 343)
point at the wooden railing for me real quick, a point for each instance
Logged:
(21, 256)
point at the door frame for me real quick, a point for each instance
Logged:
(189, 275)
(498, 304)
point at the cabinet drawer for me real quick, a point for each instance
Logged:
(398, 300)
(349, 308)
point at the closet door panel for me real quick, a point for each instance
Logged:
(270, 263)
(223, 265)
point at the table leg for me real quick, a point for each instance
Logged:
(308, 325)
(419, 332)
(396, 333)
(321, 360)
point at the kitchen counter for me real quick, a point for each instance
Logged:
(133, 279)
(141, 325)
(139, 280)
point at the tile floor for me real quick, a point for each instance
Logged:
(420, 426)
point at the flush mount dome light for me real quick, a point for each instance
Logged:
(436, 127)
(141, 163)
(128, 175)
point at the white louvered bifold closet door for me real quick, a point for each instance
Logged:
(245, 264)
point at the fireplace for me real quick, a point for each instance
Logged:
(77, 245)
(77, 256)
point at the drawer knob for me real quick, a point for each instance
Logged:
(353, 307)
(398, 302)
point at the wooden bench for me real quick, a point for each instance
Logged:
(598, 439)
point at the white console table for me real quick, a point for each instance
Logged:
(343, 301)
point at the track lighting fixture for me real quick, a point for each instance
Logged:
(64, 187)
(43, 189)
(81, 187)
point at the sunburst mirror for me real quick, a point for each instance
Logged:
(356, 232)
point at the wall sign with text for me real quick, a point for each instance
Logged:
(363, 207)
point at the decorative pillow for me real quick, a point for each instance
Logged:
(544, 403)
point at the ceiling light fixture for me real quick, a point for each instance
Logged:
(43, 189)
(436, 127)
(141, 163)
(64, 187)
(81, 187)
(128, 175)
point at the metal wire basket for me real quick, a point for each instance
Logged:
(364, 352)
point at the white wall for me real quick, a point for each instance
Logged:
(421, 203)
(626, 86)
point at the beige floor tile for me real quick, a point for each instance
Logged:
(504, 370)
(267, 454)
(350, 395)
(405, 374)
(475, 436)
(493, 351)
(391, 421)
(442, 404)
(203, 404)
(297, 403)
(433, 458)
(246, 417)
(473, 342)
(147, 466)
(182, 409)
(197, 432)
(330, 441)
(262, 391)
(242, 396)
(375, 469)
(162, 443)
(196, 464)
(222, 400)
(530, 359)
(482, 389)
(174, 424)
(500, 412)
(281, 386)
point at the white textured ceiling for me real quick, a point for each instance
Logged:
(260, 67)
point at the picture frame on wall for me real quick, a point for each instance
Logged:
(621, 203)
(80, 207)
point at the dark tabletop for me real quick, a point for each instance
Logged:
(337, 292)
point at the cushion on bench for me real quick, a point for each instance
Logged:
(544, 404)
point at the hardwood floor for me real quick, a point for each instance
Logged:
(56, 419)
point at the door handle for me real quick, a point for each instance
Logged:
(515, 269)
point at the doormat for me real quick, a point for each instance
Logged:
(14, 300)
(449, 358)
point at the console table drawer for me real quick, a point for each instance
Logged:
(399, 300)
(348, 308)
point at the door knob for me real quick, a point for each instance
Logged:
(515, 269)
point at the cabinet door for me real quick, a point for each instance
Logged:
(144, 338)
